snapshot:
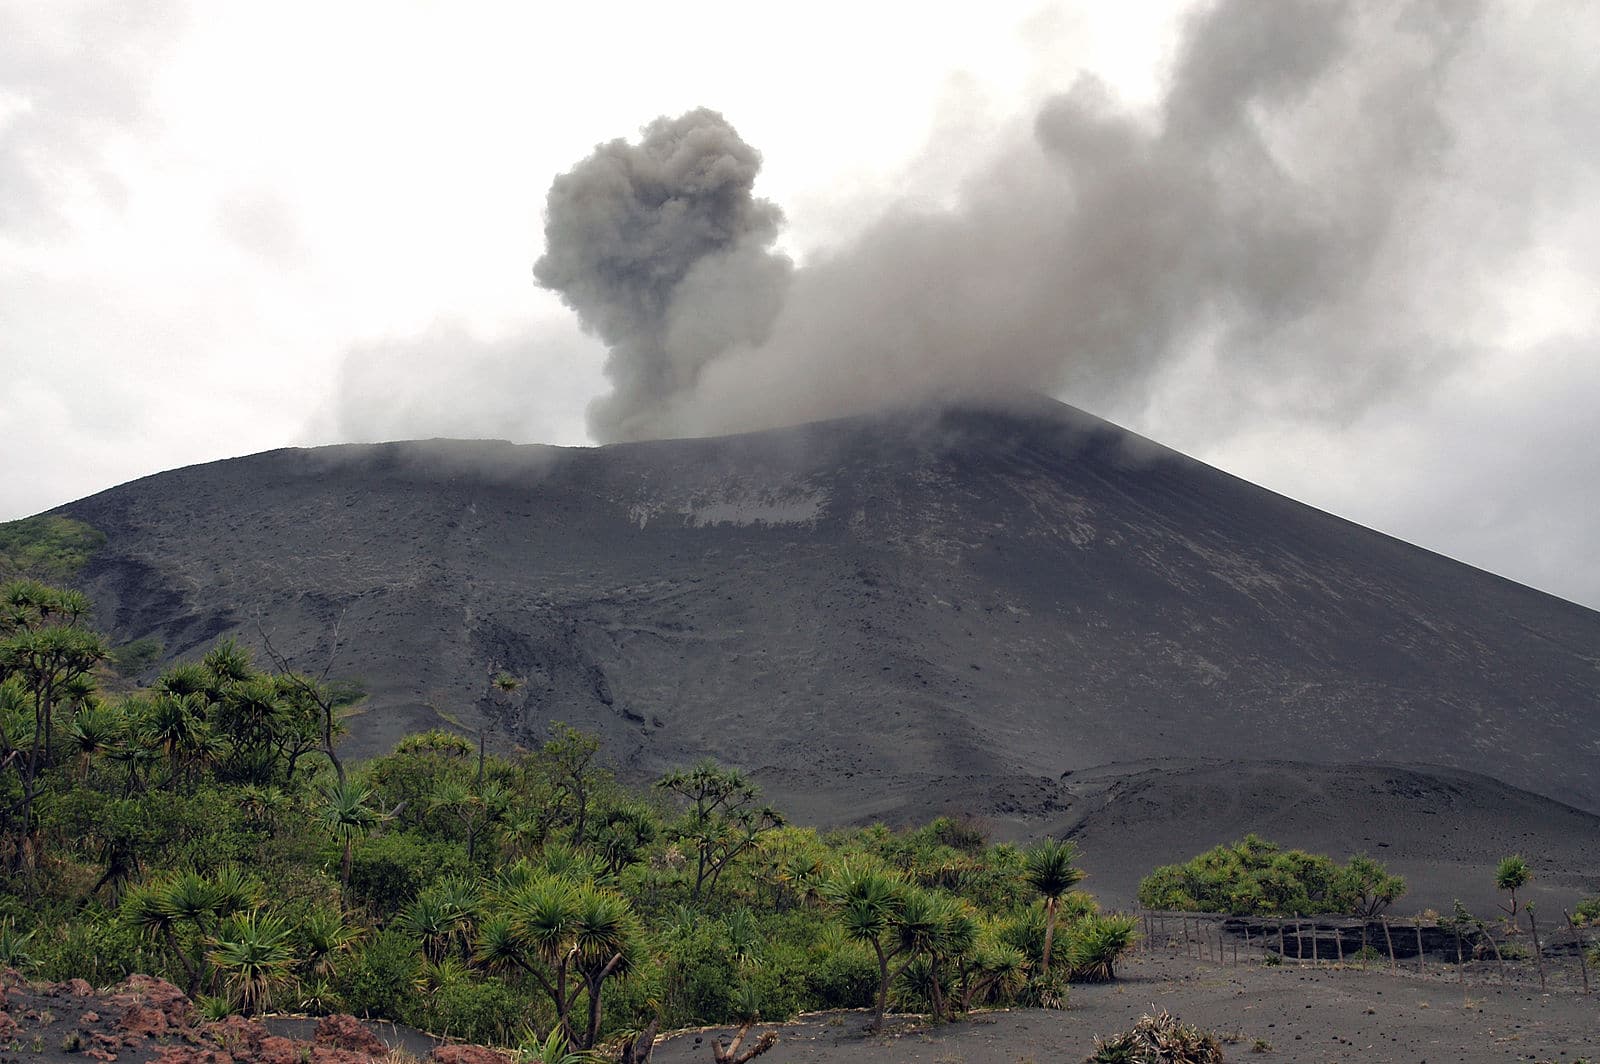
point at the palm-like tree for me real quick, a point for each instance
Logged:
(159, 909)
(254, 954)
(192, 898)
(1512, 874)
(1095, 944)
(263, 805)
(570, 937)
(94, 730)
(175, 723)
(188, 678)
(346, 813)
(1049, 870)
(147, 909)
(995, 971)
(869, 905)
(476, 807)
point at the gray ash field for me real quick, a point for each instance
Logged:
(1025, 615)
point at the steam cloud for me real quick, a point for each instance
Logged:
(1278, 225)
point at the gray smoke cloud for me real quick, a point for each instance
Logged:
(665, 254)
(1288, 226)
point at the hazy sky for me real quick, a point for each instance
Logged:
(231, 227)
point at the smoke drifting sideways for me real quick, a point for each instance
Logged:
(1288, 227)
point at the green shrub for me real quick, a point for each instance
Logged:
(1256, 877)
(776, 989)
(387, 872)
(484, 1011)
(376, 979)
(700, 976)
(136, 657)
(100, 949)
(844, 978)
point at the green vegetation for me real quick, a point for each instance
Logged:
(1587, 911)
(134, 658)
(47, 547)
(1254, 877)
(204, 830)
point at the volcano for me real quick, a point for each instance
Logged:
(1017, 613)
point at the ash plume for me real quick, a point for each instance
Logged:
(1276, 229)
(665, 254)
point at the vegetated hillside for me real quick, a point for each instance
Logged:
(885, 616)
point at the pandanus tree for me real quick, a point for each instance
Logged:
(182, 911)
(1050, 871)
(94, 731)
(870, 905)
(1512, 875)
(46, 654)
(475, 806)
(570, 937)
(347, 814)
(723, 820)
(938, 931)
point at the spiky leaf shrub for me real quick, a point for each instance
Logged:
(1094, 943)
(1158, 1039)
(255, 955)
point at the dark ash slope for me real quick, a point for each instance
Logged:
(882, 617)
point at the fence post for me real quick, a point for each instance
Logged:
(1583, 962)
(1338, 942)
(1422, 965)
(1394, 965)
(1283, 952)
(1538, 954)
(1499, 959)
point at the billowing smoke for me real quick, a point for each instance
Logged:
(1279, 226)
(665, 254)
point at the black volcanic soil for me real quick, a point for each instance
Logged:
(1022, 616)
(1306, 1015)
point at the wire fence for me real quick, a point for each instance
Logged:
(1528, 953)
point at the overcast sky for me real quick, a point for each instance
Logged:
(228, 227)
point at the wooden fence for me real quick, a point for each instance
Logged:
(1473, 951)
